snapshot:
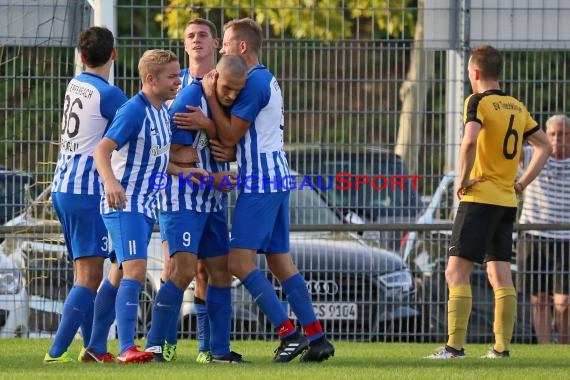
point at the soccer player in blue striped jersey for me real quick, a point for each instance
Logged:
(194, 221)
(90, 105)
(201, 44)
(134, 149)
(256, 125)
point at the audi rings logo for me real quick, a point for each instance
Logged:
(328, 287)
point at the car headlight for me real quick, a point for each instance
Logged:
(397, 280)
(10, 281)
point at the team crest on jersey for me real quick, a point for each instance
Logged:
(201, 141)
(157, 150)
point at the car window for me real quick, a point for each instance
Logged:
(389, 201)
(305, 207)
(42, 207)
(446, 210)
(13, 199)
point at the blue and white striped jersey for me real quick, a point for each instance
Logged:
(261, 160)
(142, 134)
(181, 194)
(90, 104)
(185, 78)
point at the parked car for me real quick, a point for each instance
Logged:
(47, 273)
(14, 186)
(359, 292)
(13, 300)
(362, 184)
(426, 254)
(439, 210)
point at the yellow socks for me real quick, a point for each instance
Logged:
(505, 315)
(458, 311)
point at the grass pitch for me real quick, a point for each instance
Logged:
(22, 359)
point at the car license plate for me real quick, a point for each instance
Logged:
(333, 310)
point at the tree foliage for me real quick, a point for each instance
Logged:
(304, 19)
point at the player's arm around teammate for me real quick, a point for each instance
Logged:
(256, 126)
(194, 222)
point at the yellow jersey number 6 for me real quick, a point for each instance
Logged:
(511, 133)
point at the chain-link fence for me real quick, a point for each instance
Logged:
(369, 92)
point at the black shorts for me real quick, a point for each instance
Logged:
(483, 232)
(543, 264)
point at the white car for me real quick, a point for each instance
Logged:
(13, 300)
(48, 274)
(412, 247)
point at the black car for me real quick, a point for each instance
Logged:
(14, 187)
(361, 184)
(359, 292)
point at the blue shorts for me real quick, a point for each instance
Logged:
(261, 222)
(83, 228)
(162, 233)
(130, 234)
(202, 233)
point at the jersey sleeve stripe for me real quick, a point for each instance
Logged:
(531, 131)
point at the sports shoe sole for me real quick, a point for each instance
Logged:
(139, 360)
(90, 357)
(319, 357)
(287, 358)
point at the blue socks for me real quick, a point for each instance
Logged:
(203, 324)
(166, 304)
(103, 317)
(219, 305)
(298, 297)
(76, 306)
(87, 326)
(172, 330)
(126, 306)
(264, 295)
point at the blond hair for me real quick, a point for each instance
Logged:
(153, 61)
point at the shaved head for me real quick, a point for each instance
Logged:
(232, 65)
(232, 75)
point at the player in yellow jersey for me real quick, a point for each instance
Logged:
(495, 126)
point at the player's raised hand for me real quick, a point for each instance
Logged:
(193, 120)
(209, 83)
